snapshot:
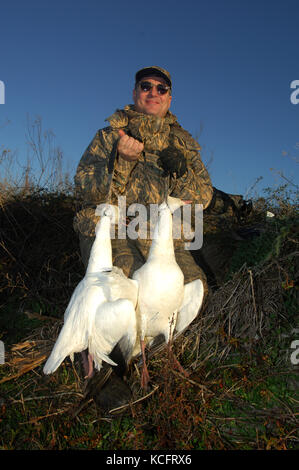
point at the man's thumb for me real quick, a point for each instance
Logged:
(121, 132)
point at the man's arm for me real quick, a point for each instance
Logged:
(195, 184)
(92, 179)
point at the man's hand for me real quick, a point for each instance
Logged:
(129, 148)
(173, 162)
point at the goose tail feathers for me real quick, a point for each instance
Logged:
(192, 302)
(99, 357)
(52, 363)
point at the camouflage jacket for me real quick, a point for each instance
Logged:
(141, 181)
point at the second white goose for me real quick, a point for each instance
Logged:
(161, 284)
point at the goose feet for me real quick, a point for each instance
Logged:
(144, 374)
(144, 377)
(87, 360)
(176, 363)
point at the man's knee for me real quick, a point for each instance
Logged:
(126, 256)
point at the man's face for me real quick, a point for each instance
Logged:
(151, 102)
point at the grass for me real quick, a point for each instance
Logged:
(241, 397)
(237, 408)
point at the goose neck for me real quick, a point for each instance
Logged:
(101, 250)
(163, 242)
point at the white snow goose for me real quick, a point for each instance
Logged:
(101, 312)
(161, 285)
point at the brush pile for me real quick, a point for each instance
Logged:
(40, 262)
(39, 252)
(242, 312)
(237, 351)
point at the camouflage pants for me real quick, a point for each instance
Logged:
(132, 254)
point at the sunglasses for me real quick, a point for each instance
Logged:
(147, 86)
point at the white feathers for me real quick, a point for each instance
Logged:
(160, 281)
(192, 301)
(96, 317)
(160, 286)
(107, 308)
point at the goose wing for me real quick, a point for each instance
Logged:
(115, 323)
(119, 286)
(192, 301)
(74, 334)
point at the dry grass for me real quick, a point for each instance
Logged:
(236, 321)
(239, 393)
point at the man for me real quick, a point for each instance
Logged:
(152, 155)
(144, 155)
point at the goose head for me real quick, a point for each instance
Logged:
(108, 210)
(174, 203)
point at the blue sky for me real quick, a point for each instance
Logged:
(232, 62)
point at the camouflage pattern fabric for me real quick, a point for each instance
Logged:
(132, 254)
(143, 181)
(222, 219)
(225, 211)
(140, 181)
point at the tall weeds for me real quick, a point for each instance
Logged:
(43, 170)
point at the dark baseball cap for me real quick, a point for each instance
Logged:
(154, 70)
